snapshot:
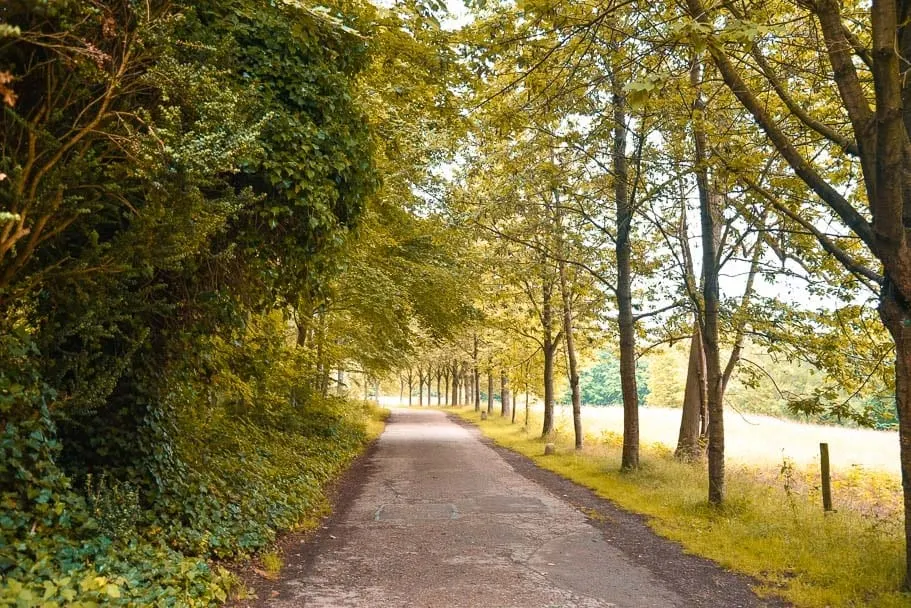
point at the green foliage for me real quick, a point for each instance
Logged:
(600, 384)
(241, 480)
(177, 181)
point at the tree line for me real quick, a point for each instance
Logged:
(725, 176)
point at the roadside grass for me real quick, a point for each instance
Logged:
(269, 562)
(376, 421)
(772, 526)
(272, 564)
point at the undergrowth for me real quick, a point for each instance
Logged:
(121, 543)
(769, 527)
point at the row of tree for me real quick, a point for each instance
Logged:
(725, 175)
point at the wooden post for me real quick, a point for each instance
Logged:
(826, 479)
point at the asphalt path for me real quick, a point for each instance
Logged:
(435, 516)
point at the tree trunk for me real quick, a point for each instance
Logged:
(571, 355)
(489, 392)
(709, 212)
(401, 390)
(713, 369)
(455, 384)
(468, 394)
(514, 408)
(625, 320)
(897, 319)
(690, 446)
(548, 426)
(420, 387)
(439, 378)
(526, 395)
(410, 386)
(549, 349)
(505, 396)
(446, 391)
(476, 377)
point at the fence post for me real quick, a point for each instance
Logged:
(826, 479)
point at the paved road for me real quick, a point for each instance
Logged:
(442, 520)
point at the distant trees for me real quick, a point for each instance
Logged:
(600, 383)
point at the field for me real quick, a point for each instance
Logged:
(756, 439)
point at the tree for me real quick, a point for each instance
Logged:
(876, 137)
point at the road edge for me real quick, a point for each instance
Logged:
(298, 548)
(697, 579)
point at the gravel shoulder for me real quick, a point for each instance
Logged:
(701, 582)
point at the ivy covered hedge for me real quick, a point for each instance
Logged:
(114, 542)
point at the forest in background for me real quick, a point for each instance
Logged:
(223, 223)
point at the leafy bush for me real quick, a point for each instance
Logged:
(220, 478)
(244, 484)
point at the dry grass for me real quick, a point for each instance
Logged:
(865, 465)
(772, 526)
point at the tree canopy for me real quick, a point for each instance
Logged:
(219, 218)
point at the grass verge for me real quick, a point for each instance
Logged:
(767, 528)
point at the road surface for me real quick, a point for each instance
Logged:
(439, 518)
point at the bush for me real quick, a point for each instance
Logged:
(111, 547)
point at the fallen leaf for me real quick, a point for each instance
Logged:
(265, 574)
(6, 92)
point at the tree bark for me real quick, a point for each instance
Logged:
(690, 444)
(410, 386)
(420, 387)
(625, 320)
(896, 316)
(505, 396)
(709, 212)
(571, 355)
(439, 378)
(526, 395)
(514, 408)
(455, 384)
(476, 384)
(548, 427)
(489, 392)
(549, 348)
